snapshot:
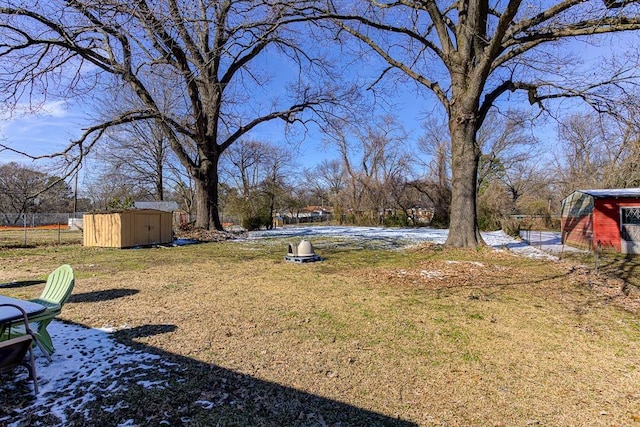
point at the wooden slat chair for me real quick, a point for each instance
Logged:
(55, 294)
(13, 351)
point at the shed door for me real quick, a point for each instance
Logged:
(630, 230)
(147, 229)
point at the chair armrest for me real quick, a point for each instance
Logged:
(50, 305)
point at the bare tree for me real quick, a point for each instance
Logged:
(627, 174)
(506, 170)
(140, 151)
(327, 182)
(597, 152)
(469, 53)
(623, 131)
(182, 191)
(373, 158)
(509, 156)
(242, 170)
(274, 188)
(256, 171)
(528, 180)
(109, 190)
(504, 144)
(436, 182)
(210, 55)
(407, 198)
(331, 174)
(26, 189)
(296, 196)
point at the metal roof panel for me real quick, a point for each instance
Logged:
(612, 192)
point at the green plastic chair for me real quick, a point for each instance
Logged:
(57, 290)
(55, 294)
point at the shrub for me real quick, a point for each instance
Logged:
(511, 227)
(396, 221)
(257, 222)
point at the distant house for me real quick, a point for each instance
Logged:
(303, 215)
(607, 219)
(314, 211)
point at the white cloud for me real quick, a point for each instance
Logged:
(38, 129)
(24, 111)
(55, 108)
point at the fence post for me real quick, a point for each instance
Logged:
(540, 239)
(24, 221)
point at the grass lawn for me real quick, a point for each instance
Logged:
(369, 336)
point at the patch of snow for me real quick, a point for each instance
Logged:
(431, 274)
(84, 358)
(406, 236)
(476, 263)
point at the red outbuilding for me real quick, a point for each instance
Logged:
(607, 219)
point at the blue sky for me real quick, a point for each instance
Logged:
(39, 130)
(50, 127)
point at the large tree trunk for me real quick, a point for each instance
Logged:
(463, 228)
(206, 189)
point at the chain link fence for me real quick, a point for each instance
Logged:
(32, 229)
(37, 219)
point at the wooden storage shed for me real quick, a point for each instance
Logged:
(608, 218)
(139, 227)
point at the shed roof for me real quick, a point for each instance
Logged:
(160, 206)
(612, 192)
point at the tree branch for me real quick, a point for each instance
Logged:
(433, 86)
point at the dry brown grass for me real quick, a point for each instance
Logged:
(15, 237)
(430, 336)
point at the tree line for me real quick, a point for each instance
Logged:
(204, 75)
(376, 178)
